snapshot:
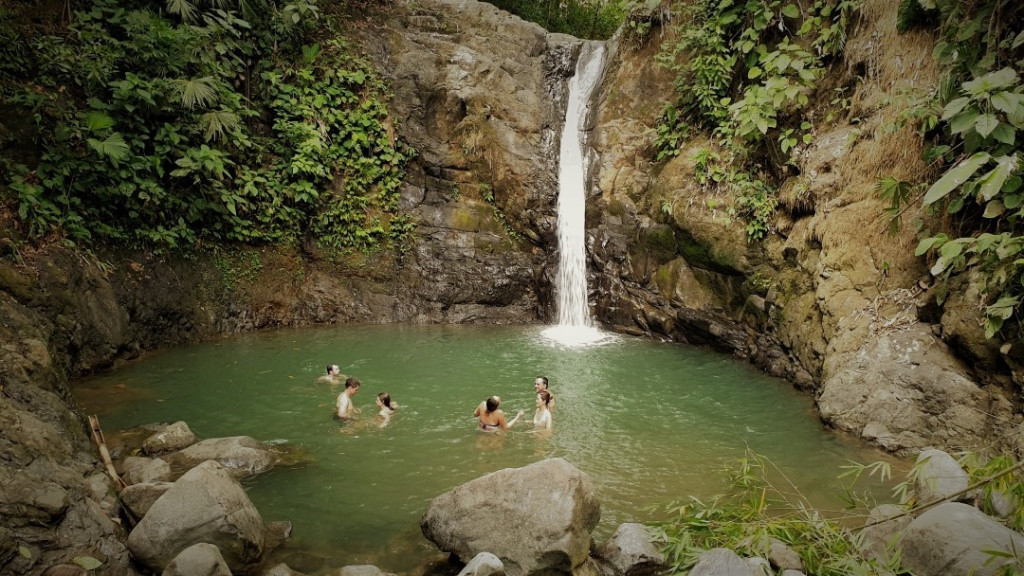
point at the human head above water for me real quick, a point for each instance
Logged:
(385, 399)
(492, 403)
(333, 370)
(540, 383)
(544, 396)
(353, 383)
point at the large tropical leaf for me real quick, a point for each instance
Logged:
(955, 177)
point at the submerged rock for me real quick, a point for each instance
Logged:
(241, 455)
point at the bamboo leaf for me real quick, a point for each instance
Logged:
(955, 177)
(87, 562)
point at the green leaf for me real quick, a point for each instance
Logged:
(194, 92)
(994, 209)
(992, 183)
(940, 265)
(955, 107)
(985, 124)
(1006, 102)
(1004, 133)
(753, 72)
(951, 250)
(96, 121)
(87, 562)
(991, 81)
(25, 552)
(114, 147)
(926, 244)
(955, 177)
(791, 11)
(963, 121)
(1018, 41)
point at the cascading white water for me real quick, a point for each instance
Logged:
(574, 324)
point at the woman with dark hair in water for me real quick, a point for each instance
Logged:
(387, 408)
(491, 419)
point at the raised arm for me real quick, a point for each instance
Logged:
(512, 422)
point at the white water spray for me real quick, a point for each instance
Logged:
(575, 327)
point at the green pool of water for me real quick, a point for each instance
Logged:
(649, 422)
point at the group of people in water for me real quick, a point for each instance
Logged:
(490, 417)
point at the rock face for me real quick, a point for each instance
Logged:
(550, 504)
(631, 551)
(952, 538)
(205, 505)
(828, 291)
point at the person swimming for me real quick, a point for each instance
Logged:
(491, 419)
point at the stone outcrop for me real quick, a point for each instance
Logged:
(205, 505)
(955, 538)
(177, 436)
(536, 519)
(198, 560)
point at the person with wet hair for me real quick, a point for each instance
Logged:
(542, 417)
(384, 403)
(333, 373)
(491, 419)
(344, 408)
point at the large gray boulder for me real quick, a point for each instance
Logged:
(905, 391)
(205, 505)
(939, 476)
(955, 538)
(243, 456)
(880, 540)
(536, 519)
(201, 559)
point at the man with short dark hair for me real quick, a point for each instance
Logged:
(345, 408)
(540, 383)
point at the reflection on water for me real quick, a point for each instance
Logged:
(649, 422)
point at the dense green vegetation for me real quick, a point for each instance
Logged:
(973, 125)
(744, 73)
(190, 123)
(761, 504)
(590, 19)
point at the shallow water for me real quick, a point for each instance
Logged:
(649, 422)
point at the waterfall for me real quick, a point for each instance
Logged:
(574, 324)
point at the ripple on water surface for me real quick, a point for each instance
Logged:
(649, 422)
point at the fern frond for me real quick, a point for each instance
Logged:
(218, 122)
(194, 92)
(183, 8)
(113, 147)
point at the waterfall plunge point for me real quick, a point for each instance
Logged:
(575, 328)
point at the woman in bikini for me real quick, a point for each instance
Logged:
(490, 418)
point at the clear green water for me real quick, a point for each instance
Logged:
(649, 422)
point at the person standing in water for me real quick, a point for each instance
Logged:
(344, 407)
(542, 417)
(490, 418)
(540, 384)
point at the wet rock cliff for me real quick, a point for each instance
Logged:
(828, 301)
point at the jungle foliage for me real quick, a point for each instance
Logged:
(217, 121)
(761, 504)
(973, 126)
(744, 73)
(588, 19)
